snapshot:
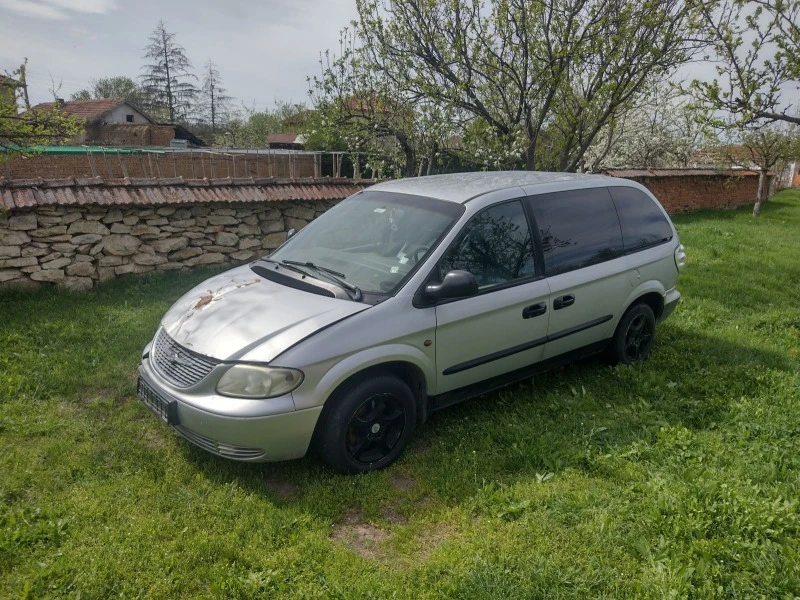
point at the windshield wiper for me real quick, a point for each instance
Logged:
(291, 267)
(333, 275)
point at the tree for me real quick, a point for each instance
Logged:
(546, 75)
(167, 78)
(769, 147)
(113, 87)
(662, 129)
(362, 109)
(250, 129)
(215, 105)
(21, 132)
(756, 45)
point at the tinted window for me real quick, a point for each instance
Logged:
(643, 223)
(495, 246)
(577, 228)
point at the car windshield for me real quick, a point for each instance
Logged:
(374, 239)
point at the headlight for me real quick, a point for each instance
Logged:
(255, 381)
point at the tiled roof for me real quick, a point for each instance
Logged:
(632, 173)
(282, 138)
(91, 110)
(29, 193)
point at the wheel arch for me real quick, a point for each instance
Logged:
(412, 374)
(653, 299)
(651, 293)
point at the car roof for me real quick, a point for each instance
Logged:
(462, 187)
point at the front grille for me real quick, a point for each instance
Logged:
(218, 448)
(181, 367)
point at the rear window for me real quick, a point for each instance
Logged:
(643, 222)
(577, 228)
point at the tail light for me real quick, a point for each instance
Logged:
(680, 257)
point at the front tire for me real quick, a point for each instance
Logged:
(634, 337)
(367, 425)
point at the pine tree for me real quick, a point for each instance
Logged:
(167, 79)
(215, 104)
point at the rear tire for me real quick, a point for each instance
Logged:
(634, 337)
(367, 425)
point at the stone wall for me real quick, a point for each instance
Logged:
(76, 246)
(76, 232)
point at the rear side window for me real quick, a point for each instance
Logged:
(577, 228)
(643, 223)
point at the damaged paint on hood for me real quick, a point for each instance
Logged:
(239, 315)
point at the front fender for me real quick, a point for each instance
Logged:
(353, 364)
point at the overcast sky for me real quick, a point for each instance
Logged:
(264, 49)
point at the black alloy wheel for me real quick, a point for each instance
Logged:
(639, 338)
(366, 425)
(375, 429)
(633, 340)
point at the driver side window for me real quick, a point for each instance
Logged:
(495, 247)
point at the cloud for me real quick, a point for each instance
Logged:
(33, 9)
(99, 7)
(57, 10)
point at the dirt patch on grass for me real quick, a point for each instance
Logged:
(420, 446)
(432, 539)
(404, 483)
(358, 535)
(153, 438)
(281, 488)
(392, 515)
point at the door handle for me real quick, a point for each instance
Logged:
(563, 301)
(534, 310)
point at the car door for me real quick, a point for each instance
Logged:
(504, 326)
(581, 242)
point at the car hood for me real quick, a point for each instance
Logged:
(239, 315)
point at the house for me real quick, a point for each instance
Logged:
(117, 122)
(97, 112)
(790, 176)
(740, 157)
(286, 141)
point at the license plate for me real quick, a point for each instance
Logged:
(165, 410)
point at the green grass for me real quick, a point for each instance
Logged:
(674, 478)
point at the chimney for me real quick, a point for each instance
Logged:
(59, 103)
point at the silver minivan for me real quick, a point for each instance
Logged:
(405, 298)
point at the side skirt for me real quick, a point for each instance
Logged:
(495, 383)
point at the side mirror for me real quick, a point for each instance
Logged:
(456, 284)
(290, 233)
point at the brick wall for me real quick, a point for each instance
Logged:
(686, 193)
(195, 165)
(129, 134)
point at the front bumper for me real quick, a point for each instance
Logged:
(261, 438)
